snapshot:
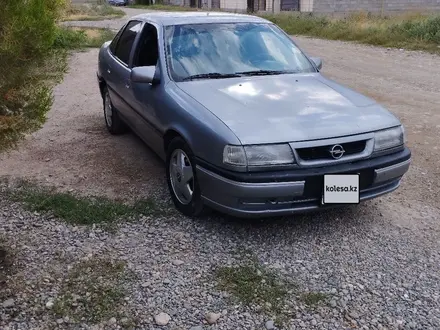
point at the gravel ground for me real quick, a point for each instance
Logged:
(378, 264)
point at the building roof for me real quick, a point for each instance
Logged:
(196, 17)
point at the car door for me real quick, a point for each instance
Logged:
(118, 71)
(145, 99)
(106, 63)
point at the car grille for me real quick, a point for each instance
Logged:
(323, 152)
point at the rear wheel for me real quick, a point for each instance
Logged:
(114, 123)
(182, 179)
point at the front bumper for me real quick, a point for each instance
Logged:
(294, 191)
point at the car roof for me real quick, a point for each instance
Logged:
(196, 17)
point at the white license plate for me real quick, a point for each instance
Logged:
(341, 189)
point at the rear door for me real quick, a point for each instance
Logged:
(118, 71)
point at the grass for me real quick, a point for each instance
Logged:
(91, 12)
(80, 210)
(411, 30)
(164, 7)
(93, 292)
(313, 298)
(79, 38)
(254, 285)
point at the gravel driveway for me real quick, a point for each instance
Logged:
(377, 265)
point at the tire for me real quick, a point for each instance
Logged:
(113, 122)
(186, 195)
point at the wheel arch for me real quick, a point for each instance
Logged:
(102, 86)
(171, 134)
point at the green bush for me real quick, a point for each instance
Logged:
(79, 38)
(27, 112)
(67, 38)
(426, 30)
(28, 30)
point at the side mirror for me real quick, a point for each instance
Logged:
(144, 74)
(317, 61)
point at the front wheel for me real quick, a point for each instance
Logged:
(182, 179)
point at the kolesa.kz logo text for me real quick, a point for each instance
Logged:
(341, 189)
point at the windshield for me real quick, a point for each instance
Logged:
(231, 49)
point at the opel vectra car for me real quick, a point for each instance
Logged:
(118, 2)
(243, 118)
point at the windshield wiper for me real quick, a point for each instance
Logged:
(265, 72)
(212, 75)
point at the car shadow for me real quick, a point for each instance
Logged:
(334, 223)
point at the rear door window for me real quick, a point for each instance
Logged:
(115, 40)
(126, 40)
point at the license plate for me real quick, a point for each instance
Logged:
(341, 189)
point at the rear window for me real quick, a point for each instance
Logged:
(126, 40)
(115, 40)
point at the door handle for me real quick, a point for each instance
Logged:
(109, 71)
(127, 85)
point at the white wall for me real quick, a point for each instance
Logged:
(233, 4)
(277, 6)
(269, 5)
(306, 5)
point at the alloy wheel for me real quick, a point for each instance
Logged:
(181, 176)
(108, 111)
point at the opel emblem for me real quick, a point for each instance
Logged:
(337, 151)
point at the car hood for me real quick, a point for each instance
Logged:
(288, 107)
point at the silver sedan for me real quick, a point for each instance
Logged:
(243, 118)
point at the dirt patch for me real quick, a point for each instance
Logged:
(74, 151)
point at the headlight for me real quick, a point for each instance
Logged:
(234, 155)
(258, 155)
(389, 138)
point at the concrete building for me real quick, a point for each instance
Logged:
(374, 6)
(316, 6)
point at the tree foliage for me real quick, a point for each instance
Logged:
(27, 32)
